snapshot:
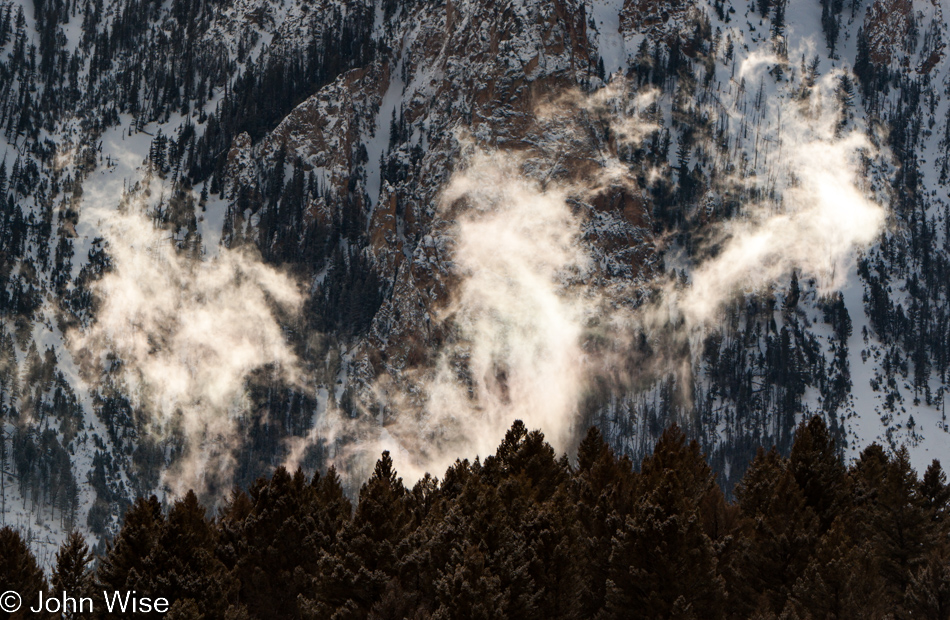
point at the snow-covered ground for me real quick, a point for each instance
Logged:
(123, 151)
(610, 43)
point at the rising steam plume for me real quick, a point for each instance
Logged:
(822, 214)
(186, 335)
(518, 350)
(527, 292)
(527, 296)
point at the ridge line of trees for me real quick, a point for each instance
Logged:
(526, 534)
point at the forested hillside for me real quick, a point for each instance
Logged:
(525, 533)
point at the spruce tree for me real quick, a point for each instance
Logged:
(125, 558)
(662, 563)
(928, 591)
(778, 536)
(935, 493)
(354, 573)
(841, 580)
(818, 470)
(72, 575)
(20, 573)
(899, 526)
(182, 565)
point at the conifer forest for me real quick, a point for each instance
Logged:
(475, 308)
(526, 534)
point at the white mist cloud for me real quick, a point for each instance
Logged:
(822, 218)
(522, 298)
(516, 251)
(515, 319)
(755, 61)
(188, 333)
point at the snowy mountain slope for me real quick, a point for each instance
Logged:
(320, 138)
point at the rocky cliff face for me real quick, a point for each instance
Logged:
(888, 26)
(388, 136)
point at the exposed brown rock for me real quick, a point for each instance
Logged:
(659, 20)
(887, 25)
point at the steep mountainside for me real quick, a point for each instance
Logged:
(238, 234)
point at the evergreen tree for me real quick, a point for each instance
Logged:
(928, 592)
(354, 574)
(182, 565)
(20, 573)
(898, 525)
(126, 557)
(841, 580)
(276, 536)
(72, 575)
(779, 533)
(818, 470)
(663, 564)
(524, 535)
(935, 493)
